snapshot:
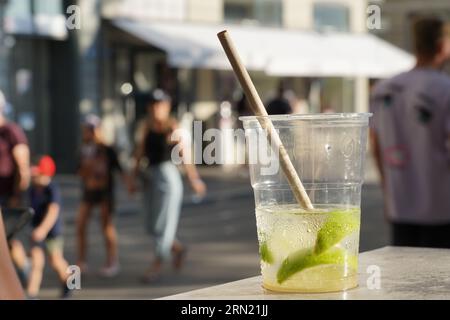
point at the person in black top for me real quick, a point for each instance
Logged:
(97, 165)
(163, 187)
(157, 149)
(279, 105)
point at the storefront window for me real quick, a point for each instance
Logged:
(18, 8)
(36, 17)
(48, 7)
(23, 8)
(264, 12)
(331, 16)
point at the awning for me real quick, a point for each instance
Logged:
(278, 52)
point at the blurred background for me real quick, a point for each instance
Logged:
(61, 59)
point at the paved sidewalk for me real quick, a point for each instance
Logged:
(220, 233)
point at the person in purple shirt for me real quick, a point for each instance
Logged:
(14, 160)
(14, 175)
(410, 133)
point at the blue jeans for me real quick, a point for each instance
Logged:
(162, 199)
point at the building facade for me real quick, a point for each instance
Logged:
(36, 64)
(53, 75)
(399, 15)
(130, 62)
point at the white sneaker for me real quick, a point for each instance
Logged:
(111, 271)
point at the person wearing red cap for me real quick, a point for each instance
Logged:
(46, 225)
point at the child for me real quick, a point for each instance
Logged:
(98, 163)
(46, 227)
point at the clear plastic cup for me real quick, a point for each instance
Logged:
(309, 250)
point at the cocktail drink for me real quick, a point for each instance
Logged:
(309, 250)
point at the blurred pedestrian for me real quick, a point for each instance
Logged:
(163, 187)
(14, 175)
(14, 160)
(243, 107)
(97, 166)
(410, 133)
(280, 104)
(10, 286)
(46, 235)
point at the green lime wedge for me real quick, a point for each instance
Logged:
(306, 258)
(338, 225)
(265, 253)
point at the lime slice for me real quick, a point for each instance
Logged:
(321, 278)
(339, 224)
(306, 258)
(265, 253)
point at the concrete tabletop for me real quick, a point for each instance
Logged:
(404, 273)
